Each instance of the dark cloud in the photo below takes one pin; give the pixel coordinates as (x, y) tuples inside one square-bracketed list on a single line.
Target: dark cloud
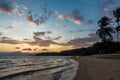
[(37, 41), (38, 34), (74, 16), (10, 27), (27, 49), (41, 42), (81, 42), (48, 32), (8, 40), (35, 19), (76, 42), (7, 7), (44, 49), (17, 47), (30, 19), (91, 34), (47, 37), (26, 39), (57, 38), (52, 38), (36, 38), (35, 49)]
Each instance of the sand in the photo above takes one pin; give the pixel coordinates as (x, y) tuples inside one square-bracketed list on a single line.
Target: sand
[(94, 68)]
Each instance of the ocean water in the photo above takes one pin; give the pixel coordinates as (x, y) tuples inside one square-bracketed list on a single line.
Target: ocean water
[(37, 68)]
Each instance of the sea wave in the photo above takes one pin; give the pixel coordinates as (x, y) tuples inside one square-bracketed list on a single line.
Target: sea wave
[(36, 68)]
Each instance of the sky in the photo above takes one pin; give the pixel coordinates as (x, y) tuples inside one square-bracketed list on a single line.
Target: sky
[(35, 26)]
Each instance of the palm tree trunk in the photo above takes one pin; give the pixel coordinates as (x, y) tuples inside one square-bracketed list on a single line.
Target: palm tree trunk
[(118, 31)]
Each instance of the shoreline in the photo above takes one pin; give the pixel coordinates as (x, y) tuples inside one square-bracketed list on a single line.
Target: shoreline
[(94, 68), (81, 73)]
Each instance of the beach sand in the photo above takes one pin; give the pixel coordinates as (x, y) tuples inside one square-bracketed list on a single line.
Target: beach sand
[(94, 68)]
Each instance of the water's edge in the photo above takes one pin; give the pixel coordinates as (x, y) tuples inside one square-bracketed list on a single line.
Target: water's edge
[(37, 68)]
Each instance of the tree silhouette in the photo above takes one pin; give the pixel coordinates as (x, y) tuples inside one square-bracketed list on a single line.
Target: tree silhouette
[(105, 32), (116, 14)]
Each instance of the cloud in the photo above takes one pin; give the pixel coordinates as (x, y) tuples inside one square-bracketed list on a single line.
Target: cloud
[(24, 6), (74, 37), (17, 47), (27, 49), (37, 41), (57, 38), (48, 32), (8, 40), (36, 38), (38, 34), (21, 13), (10, 27), (91, 34), (35, 19), (82, 42), (41, 42), (32, 21), (44, 49), (47, 37), (1, 33), (74, 16), (110, 5), (7, 7), (61, 16), (35, 49), (52, 38), (26, 39), (75, 42), (55, 12)]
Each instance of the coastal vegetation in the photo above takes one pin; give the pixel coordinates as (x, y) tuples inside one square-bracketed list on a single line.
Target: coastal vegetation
[(108, 34)]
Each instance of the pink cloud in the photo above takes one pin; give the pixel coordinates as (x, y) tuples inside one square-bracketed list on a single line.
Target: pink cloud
[(8, 7), (31, 21), (75, 16)]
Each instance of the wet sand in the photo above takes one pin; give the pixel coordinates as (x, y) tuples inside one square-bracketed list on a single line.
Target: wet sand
[(94, 68)]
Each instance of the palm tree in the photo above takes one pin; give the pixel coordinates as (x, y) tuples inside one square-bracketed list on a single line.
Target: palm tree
[(105, 32), (116, 14)]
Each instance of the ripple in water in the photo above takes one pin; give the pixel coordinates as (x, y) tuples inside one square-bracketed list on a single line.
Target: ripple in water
[(37, 68)]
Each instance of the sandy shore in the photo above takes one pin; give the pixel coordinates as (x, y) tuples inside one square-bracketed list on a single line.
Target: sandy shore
[(94, 68)]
